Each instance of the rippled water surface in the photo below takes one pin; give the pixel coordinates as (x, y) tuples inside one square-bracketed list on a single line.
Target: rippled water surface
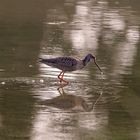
[(33, 105)]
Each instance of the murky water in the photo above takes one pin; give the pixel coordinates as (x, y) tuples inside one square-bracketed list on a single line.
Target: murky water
[(92, 106)]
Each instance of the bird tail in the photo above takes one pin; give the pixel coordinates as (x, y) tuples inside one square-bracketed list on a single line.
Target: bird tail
[(49, 62), (40, 60), (46, 61)]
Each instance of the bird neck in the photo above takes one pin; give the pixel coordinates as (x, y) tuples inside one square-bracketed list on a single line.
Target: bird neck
[(86, 60)]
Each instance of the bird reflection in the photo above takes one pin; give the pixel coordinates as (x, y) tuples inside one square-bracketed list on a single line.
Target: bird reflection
[(70, 102)]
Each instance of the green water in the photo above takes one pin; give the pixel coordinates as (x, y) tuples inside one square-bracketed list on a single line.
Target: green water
[(92, 106)]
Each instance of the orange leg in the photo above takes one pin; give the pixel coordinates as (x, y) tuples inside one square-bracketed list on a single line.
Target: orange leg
[(60, 76)]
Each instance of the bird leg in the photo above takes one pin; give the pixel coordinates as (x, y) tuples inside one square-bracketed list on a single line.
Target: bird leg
[(60, 76), (63, 79)]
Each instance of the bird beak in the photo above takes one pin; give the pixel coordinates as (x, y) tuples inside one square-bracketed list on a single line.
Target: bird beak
[(98, 66)]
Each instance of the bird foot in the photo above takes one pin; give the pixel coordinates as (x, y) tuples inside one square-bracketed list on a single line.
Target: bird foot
[(64, 81)]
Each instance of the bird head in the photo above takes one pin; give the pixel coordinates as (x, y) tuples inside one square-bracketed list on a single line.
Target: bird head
[(91, 57)]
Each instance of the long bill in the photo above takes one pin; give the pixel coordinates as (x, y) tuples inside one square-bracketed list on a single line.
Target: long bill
[(98, 66)]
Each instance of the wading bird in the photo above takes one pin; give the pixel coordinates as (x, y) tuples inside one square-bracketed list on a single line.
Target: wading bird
[(66, 64)]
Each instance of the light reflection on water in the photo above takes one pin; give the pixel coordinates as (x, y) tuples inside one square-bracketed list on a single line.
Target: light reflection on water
[(91, 26), (66, 116), (93, 106)]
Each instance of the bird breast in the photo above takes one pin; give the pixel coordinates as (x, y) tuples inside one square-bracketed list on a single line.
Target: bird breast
[(79, 65)]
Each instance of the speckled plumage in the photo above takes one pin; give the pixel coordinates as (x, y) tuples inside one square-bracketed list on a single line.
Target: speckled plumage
[(68, 64), (62, 63)]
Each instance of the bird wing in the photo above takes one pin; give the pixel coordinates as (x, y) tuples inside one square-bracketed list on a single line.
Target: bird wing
[(63, 63), (67, 61)]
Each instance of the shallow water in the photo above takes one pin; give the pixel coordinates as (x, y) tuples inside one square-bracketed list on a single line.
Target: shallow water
[(92, 106)]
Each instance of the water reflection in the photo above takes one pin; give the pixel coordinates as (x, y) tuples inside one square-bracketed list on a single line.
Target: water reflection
[(94, 27), (111, 32), (85, 27), (31, 106), (67, 116), (70, 102), (16, 114)]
